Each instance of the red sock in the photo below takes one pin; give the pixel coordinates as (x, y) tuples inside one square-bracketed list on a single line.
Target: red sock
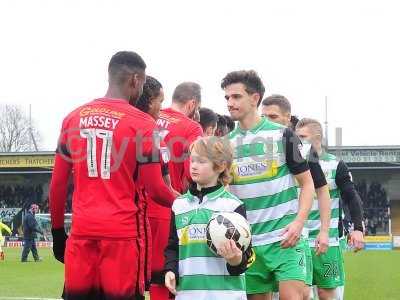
[(158, 292)]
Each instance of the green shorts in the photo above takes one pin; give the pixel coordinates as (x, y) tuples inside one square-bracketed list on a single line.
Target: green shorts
[(274, 264), (328, 268), (309, 265)]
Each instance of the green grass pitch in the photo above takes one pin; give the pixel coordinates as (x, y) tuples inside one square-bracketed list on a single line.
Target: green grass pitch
[(370, 275)]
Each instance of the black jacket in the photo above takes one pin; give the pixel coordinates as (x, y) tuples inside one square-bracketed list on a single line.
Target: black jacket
[(30, 226)]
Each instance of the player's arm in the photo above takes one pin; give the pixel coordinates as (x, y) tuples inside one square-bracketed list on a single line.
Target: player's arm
[(35, 226), (298, 166), (58, 196), (171, 254), (166, 177), (151, 176), (324, 201), (248, 257), (150, 170), (351, 197)]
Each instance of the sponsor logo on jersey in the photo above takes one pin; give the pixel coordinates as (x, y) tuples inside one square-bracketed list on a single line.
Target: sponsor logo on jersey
[(256, 169), (192, 234)]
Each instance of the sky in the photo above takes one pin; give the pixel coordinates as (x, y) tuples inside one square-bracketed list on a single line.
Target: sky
[(54, 55)]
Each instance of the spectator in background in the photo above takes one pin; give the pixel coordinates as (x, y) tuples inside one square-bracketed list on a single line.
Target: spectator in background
[(30, 226), (208, 121), (222, 126), (229, 123)]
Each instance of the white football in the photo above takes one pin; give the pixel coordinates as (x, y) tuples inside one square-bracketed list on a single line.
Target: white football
[(226, 226)]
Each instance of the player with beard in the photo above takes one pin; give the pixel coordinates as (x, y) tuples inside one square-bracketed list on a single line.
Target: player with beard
[(179, 130)]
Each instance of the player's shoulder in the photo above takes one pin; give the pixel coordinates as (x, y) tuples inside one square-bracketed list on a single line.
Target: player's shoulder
[(77, 112), (329, 157), (223, 201), (269, 125), (227, 195), (183, 203)]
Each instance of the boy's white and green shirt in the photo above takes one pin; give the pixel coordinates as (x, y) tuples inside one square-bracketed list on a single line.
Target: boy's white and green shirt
[(266, 158), (202, 274)]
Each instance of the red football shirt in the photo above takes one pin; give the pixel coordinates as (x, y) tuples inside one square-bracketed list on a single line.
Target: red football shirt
[(102, 142), (155, 210), (178, 132)]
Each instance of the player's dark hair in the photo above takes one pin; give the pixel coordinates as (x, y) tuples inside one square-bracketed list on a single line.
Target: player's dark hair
[(151, 89), (230, 123), (250, 79), (221, 125), (187, 91), (293, 122), (281, 101), (124, 63), (207, 118)]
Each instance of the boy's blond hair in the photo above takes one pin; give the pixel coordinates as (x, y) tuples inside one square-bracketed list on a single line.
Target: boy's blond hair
[(219, 151)]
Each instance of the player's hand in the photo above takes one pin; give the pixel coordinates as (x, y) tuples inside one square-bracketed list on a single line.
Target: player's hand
[(292, 234), (176, 193), (231, 253), (59, 242), (356, 240), (322, 242), (170, 282)]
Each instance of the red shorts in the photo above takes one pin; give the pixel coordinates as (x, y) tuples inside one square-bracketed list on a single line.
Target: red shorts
[(103, 269), (159, 235)]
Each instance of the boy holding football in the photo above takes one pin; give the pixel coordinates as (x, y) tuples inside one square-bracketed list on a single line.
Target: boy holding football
[(193, 271)]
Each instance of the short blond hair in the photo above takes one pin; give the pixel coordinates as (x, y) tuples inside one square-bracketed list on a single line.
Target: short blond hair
[(219, 151), (313, 124)]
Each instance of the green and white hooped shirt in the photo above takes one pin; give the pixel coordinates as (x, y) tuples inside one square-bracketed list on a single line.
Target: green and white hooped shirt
[(263, 178), (202, 274), (329, 164)]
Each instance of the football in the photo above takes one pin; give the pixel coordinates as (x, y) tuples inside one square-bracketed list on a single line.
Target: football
[(226, 226)]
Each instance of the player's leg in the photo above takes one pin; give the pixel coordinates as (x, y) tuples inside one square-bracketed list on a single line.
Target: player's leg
[(307, 290), (340, 289), (291, 290), (260, 282), (34, 250), (291, 272), (26, 250), (81, 260), (326, 294), (159, 232), (328, 272), (266, 296), (119, 271), (2, 257)]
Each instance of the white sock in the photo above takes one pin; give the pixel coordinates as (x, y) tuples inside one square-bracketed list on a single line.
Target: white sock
[(340, 292)]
